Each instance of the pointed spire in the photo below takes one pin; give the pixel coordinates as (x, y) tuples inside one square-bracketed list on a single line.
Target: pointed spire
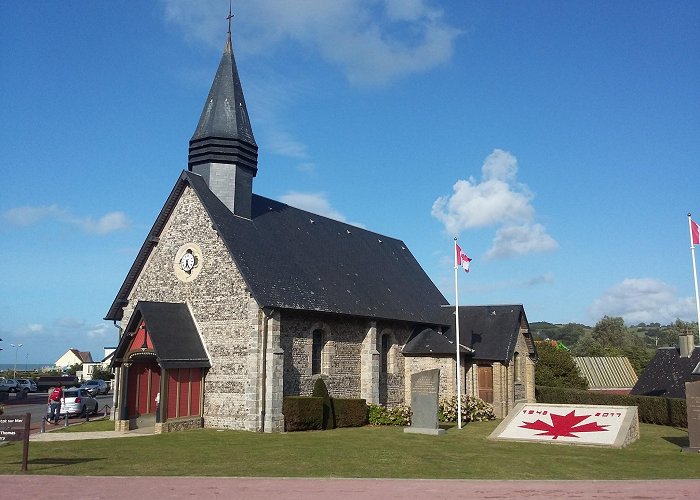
[(223, 149)]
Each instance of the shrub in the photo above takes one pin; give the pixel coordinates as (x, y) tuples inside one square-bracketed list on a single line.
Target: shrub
[(350, 412), (302, 413), (321, 391), (473, 410), (397, 415), (651, 409)]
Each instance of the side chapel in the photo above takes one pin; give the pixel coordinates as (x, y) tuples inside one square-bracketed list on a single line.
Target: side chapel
[(235, 301)]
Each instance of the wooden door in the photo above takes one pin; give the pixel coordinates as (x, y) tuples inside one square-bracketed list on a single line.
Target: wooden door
[(485, 374)]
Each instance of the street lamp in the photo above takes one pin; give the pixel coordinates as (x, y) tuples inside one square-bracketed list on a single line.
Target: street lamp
[(14, 375)]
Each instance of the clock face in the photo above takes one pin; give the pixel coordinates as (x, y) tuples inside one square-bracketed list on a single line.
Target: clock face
[(188, 261)]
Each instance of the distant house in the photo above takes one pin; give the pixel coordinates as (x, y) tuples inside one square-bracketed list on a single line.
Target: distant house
[(607, 374), (73, 357), (89, 368), (669, 370)]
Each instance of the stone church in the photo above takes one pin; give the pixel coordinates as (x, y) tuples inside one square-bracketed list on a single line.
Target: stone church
[(235, 301)]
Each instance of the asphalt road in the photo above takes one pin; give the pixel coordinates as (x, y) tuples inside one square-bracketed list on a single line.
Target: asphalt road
[(35, 405)]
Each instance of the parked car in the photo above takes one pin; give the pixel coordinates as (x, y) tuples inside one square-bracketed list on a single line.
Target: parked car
[(27, 383), (76, 401), (95, 387), (9, 385)]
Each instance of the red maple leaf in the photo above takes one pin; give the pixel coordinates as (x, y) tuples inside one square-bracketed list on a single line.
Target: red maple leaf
[(564, 425)]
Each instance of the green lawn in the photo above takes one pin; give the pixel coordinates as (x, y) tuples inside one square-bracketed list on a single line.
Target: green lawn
[(359, 452)]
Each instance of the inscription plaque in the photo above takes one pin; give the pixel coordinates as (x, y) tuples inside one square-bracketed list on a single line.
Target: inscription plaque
[(692, 401)]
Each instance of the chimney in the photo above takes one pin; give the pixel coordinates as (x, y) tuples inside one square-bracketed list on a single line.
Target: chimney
[(686, 343)]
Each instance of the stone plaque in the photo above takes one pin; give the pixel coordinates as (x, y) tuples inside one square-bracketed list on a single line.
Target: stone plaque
[(424, 403), (692, 401)]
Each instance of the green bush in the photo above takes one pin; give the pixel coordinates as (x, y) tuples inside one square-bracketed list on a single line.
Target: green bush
[(651, 409), (302, 413), (397, 415), (473, 410), (321, 391), (350, 412)]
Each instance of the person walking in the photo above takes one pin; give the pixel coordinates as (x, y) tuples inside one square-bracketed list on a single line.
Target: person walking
[(55, 398)]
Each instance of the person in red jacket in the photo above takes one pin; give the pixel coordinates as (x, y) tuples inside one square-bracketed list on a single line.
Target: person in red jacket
[(55, 398)]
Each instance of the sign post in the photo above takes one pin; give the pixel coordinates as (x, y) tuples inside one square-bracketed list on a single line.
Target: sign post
[(17, 429)]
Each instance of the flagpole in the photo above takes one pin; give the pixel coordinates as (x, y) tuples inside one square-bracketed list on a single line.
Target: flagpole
[(459, 369), (695, 272)]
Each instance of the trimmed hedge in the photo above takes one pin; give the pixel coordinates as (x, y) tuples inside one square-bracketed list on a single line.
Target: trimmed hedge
[(302, 413), (651, 409), (350, 412), (321, 391)]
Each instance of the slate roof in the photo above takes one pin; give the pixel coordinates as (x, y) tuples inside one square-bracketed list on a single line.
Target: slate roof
[(667, 373), (224, 133), (491, 331), (606, 372), (294, 259), (429, 342), (175, 338)]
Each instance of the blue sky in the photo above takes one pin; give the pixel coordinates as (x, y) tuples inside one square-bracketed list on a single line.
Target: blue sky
[(558, 140)]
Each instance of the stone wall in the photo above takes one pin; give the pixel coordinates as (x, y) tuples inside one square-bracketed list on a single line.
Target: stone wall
[(349, 358), (225, 313)]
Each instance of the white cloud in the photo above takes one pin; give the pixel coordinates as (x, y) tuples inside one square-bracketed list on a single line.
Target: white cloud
[(511, 241), (371, 41), (316, 203), (29, 215), (108, 223), (497, 199), (643, 300), (100, 331), (69, 323)]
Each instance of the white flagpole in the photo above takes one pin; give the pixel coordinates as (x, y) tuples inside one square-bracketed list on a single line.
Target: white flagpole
[(459, 369), (695, 272)]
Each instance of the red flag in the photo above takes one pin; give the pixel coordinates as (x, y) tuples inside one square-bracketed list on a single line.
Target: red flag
[(462, 258), (694, 232)]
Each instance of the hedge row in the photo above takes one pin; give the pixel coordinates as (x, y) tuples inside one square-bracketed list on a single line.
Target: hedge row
[(303, 413), (651, 409)]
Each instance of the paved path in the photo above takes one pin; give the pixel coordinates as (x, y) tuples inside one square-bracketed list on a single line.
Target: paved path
[(66, 487), (114, 487)]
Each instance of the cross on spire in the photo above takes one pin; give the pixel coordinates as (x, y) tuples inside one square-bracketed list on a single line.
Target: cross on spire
[(229, 17)]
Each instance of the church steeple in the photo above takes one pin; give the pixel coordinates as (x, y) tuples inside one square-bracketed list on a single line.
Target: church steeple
[(223, 150)]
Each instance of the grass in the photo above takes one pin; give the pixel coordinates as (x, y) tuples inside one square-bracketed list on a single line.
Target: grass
[(375, 452), (99, 424)]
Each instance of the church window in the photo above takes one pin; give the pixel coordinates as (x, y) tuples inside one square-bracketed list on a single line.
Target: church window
[(384, 353), (317, 343)]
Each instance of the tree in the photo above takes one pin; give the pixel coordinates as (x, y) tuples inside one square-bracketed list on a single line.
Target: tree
[(102, 373), (556, 368), (588, 346), (610, 331)]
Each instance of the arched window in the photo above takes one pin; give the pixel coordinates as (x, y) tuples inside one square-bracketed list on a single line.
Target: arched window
[(517, 367), (318, 341), (385, 354)]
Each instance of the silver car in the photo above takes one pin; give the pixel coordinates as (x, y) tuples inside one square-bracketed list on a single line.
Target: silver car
[(95, 387), (27, 384), (76, 401)]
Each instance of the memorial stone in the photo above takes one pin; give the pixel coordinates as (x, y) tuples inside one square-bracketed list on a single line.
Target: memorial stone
[(692, 401), (425, 387)]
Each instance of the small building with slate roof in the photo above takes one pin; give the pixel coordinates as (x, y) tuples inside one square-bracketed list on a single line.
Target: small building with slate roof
[(669, 370), (500, 353), (235, 301)]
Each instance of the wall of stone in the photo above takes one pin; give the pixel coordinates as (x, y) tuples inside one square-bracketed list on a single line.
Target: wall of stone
[(447, 366), (342, 358), (224, 311)]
